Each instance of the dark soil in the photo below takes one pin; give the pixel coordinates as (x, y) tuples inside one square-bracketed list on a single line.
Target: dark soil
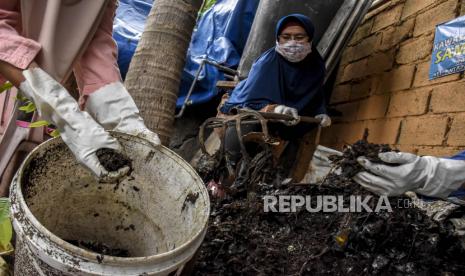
[(191, 198), (242, 239), (100, 248), (112, 160), (348, 161)]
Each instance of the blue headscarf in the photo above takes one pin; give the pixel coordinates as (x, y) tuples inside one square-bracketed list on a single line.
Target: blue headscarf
[(274, 80)]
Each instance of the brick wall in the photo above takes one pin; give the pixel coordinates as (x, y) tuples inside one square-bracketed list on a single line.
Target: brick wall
[(383, 86)]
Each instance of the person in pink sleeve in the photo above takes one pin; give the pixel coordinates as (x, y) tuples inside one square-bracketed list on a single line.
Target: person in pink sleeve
[(41, 43)]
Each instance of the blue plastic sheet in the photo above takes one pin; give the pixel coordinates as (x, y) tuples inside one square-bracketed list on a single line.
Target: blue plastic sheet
[(459, 156), (220, 35), (128, 27), (448, 49)]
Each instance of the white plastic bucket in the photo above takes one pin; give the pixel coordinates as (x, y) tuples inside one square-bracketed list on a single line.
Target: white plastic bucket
[(159, 214)]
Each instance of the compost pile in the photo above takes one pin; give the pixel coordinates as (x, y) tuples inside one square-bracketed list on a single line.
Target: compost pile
[(242, 239)]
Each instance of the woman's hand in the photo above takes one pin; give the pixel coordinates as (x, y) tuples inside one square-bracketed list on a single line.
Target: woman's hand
[(286, 110), (78, 130), (402, 172), (325, 120)]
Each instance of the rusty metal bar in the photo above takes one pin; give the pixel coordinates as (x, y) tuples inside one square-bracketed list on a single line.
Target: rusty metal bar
[(276, 116)]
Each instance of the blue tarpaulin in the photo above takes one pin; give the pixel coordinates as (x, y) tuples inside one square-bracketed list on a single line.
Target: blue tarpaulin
[(220, 35), (448, 49), (128, 27)]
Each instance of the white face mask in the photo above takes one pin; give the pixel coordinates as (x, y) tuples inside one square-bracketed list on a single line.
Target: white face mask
[(294, 51)]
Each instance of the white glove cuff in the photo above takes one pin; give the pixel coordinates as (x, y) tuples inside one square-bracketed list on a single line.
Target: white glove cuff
[(446, 177), (113, 107)]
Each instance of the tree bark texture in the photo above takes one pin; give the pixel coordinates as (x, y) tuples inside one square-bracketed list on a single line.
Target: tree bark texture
[(154, 74)]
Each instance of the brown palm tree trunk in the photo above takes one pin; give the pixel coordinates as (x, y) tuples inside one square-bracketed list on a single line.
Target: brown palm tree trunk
[(154, 74)]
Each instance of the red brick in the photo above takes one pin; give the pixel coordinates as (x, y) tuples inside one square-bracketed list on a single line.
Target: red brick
[(372, 13), (352, 132), (382, 8), (345, 133), (361, 89), (415, 49), (373, 107), (457, 131), (394, 35), (406, 148), (348, 110), (427, 21), (330, 134), (341, 93), (362, 31), (387, 18), (448, 97), (362, 49), (438, 151), (462, 7), (428, 130), (383, 131), (414, 6), (355, 70), (339, 74), (346, 56), (395, 80), (422, 76), (380, 62), (376, 82), (409, 103)]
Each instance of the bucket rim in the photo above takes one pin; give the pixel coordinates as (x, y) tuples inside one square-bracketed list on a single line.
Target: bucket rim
[(92, 256)]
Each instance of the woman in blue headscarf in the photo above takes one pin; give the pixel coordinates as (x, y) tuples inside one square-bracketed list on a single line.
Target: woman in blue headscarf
[(286, 79)]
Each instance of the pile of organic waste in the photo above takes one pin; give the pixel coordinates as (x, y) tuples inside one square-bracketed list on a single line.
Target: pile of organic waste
[(242, 239)]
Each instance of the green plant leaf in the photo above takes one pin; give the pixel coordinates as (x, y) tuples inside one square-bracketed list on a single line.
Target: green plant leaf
[(30, 107), (6, 231), (207, 4), (55, 133), (5, 87), (39, 124), (4, 208)]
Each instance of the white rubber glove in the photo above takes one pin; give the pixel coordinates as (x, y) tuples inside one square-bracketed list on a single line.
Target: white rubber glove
[(77, 129), (427, 175), (114, 109), (321, 165), (325, 120), (282, 109)]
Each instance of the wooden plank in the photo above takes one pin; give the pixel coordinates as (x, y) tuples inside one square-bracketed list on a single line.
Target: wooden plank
[(227, 84), (307, 147)]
